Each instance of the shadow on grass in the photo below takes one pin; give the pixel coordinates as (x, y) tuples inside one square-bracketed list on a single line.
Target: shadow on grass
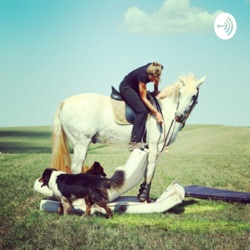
[(19, 147), (30, 134), (30, 141), (23, 141), (180, 209)]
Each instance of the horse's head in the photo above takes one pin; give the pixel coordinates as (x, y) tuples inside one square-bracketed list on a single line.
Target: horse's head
[(188, 96)]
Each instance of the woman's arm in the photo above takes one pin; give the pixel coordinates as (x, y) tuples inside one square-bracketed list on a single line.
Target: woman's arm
[(143, 95), (156, 83), (156, 90)]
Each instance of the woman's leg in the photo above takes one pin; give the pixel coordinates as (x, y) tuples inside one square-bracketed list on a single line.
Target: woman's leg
[(132, 98)]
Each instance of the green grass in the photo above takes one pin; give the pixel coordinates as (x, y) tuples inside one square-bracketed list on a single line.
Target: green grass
[(214, 156)]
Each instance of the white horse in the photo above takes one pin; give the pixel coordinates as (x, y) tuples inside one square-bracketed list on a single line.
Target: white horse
[(87, 118)]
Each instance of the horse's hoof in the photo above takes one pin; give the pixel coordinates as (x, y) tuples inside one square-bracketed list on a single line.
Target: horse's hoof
[(143, 200), (143, 195)]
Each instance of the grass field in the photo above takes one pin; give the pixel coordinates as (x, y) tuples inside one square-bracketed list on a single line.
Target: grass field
[(214, 156)]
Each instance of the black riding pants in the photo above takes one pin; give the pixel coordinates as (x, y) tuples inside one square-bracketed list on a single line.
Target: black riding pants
[(132, 98)]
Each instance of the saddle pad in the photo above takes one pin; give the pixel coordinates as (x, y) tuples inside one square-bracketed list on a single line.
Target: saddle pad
[(118, 108), (216, 194)]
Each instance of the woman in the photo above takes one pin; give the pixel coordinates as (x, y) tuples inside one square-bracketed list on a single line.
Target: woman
[(133, 90)]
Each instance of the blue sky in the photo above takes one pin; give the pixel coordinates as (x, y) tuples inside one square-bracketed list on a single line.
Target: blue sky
[(52, 49)]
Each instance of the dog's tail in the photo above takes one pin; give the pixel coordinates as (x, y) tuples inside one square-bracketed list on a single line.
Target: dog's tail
[(117, 180)]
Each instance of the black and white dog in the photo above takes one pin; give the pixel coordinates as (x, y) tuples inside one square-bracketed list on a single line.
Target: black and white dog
[(93, 189)]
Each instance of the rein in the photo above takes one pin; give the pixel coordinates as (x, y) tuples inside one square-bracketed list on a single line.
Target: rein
[(158, 107), (177, 119)]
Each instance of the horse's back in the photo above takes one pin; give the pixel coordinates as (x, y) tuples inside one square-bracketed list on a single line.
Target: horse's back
[(84, 110), (86, 102), (86, 98)]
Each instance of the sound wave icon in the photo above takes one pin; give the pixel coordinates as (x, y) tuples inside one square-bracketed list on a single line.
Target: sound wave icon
[(228, 26), (225, 26)]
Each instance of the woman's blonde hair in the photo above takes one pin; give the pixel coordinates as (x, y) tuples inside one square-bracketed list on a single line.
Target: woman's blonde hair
[(155, 69)]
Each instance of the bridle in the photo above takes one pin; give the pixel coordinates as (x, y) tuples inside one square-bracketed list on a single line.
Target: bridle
[(182, 118), (177, 119)]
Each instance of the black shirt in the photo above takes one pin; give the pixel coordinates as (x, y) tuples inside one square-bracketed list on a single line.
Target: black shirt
[(132, 79)]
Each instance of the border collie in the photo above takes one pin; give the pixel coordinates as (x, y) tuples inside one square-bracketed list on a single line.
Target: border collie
[(93, 189)]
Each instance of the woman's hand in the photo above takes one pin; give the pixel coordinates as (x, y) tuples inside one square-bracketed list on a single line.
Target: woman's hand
[(143, 95), (159, 118)]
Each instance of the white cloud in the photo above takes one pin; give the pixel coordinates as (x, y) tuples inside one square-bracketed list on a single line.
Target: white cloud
[(174, 16)]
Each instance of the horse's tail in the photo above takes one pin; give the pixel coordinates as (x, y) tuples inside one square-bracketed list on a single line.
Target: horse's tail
[(60, 149)]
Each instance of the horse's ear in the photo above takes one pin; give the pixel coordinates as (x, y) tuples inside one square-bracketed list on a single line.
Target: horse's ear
[(182, 79), (200, 81)]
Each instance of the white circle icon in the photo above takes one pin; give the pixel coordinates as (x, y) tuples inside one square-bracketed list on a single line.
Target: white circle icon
[(225, 26)]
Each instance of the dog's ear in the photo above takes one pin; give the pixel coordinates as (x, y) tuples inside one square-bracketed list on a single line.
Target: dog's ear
[(46, 180), (95, 165), (99, 170), (46, 176), (103, 174)]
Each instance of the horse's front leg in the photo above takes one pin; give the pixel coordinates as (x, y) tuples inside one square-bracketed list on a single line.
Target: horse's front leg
[(144, 190)]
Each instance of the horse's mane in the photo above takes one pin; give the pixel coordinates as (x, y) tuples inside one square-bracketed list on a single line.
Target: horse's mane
[(174, 89)]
